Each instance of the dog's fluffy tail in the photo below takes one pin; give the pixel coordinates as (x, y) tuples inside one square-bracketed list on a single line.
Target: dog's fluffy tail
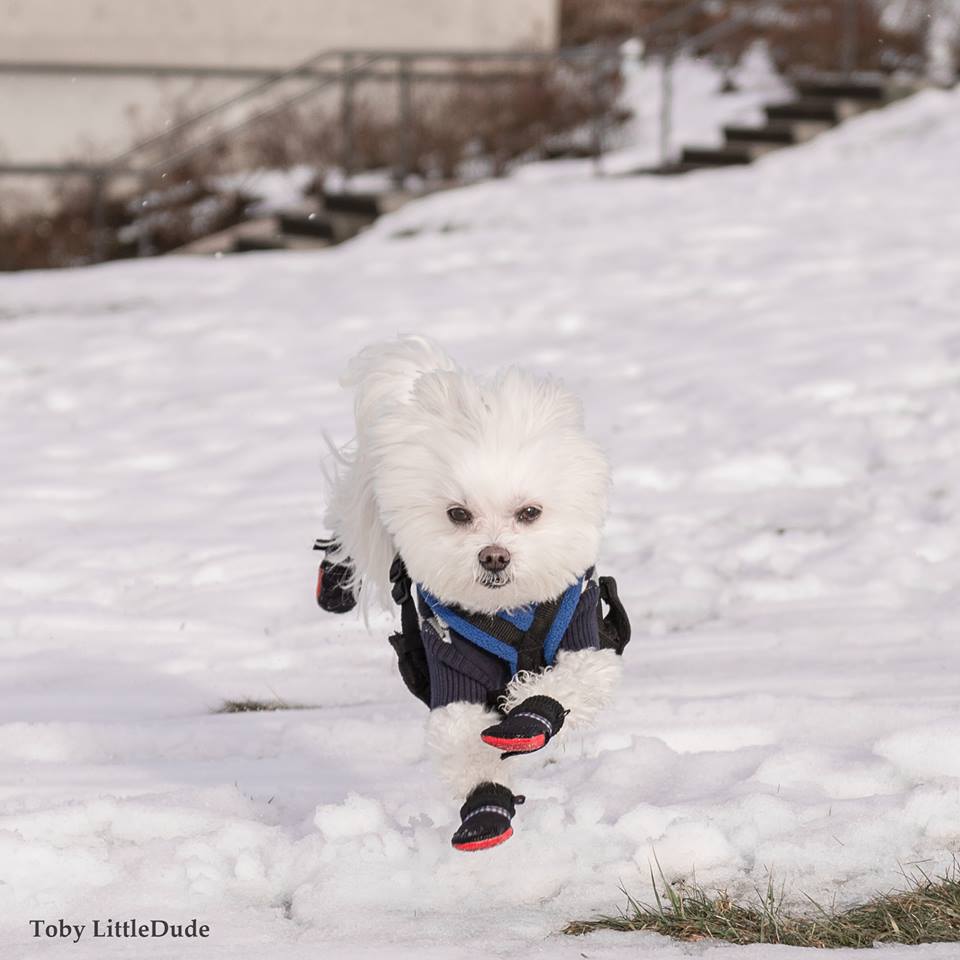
[(382, 377)]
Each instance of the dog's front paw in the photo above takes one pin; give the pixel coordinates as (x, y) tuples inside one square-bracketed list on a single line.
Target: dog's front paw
[(529, 726), (485, 817)]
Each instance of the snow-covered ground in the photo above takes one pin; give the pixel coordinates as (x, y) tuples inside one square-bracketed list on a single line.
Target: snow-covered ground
[(771, 355)]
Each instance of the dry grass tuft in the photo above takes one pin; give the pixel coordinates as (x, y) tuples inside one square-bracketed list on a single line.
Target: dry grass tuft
[(928, 911), (257, 706)]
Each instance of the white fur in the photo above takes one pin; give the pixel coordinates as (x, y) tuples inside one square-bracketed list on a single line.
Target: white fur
[(461, 758), (431, 436), (382, 376), (583, 681)]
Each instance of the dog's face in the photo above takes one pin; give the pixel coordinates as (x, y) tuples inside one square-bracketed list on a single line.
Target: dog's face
[(492, 493)]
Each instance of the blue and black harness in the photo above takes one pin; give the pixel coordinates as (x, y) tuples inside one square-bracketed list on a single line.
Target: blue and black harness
[(525, 639), (446, 654)]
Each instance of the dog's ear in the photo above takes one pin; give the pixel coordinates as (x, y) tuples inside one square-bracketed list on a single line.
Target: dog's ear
[(448, 395), (547, 404)]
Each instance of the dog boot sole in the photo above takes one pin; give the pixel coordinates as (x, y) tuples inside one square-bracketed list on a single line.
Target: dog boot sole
[(516, 745), (472, 845)]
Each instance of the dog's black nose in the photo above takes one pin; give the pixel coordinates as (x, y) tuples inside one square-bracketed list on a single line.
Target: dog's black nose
[(494, 557)]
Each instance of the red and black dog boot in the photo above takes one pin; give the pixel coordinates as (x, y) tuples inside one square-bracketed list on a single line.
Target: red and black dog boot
[(485, 817), (527, 727), (333, 594)]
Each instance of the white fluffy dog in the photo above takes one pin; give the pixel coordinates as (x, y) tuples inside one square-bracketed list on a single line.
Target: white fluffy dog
[(493, 498)]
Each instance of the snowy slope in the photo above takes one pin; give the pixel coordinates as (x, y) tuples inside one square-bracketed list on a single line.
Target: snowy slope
[(771, 356)]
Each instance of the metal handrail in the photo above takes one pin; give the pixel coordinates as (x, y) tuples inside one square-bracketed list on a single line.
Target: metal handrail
[(306, 68), (354, 62), (219, 107), (255, 117), (368, 58), (737, 21)]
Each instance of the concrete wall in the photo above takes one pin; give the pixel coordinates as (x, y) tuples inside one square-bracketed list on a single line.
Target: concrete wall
[(58, 118), (258, 33)]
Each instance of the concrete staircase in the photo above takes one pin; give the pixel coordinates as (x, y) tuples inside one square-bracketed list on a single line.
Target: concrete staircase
[(821, 103), (333, 218)]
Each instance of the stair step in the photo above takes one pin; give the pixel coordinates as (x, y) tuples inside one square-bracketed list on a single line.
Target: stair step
[(305, 225), (774, 133), (243, 244), (675, 169), (349, 212), (568, 152), (371, 204), (733, 155), (346, 226), (872, 92), (223, 241), (810, 108), (360, 204), (804, 130), (671, 169), (277, 241), (823, 102), (293, 242), (823, 109)]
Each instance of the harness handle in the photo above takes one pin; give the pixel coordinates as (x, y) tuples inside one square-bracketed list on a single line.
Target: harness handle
[(408, 644), (615, 626)]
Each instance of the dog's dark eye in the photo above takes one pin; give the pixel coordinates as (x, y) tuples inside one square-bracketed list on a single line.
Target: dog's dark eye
[(528, 514), (459, 516)]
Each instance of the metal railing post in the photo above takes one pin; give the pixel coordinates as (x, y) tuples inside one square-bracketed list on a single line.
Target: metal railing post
[(850, 37), (144, 246), (666, 107), (346, 116), (404, 121), (940, 60), (596, 79), (99, 218)]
